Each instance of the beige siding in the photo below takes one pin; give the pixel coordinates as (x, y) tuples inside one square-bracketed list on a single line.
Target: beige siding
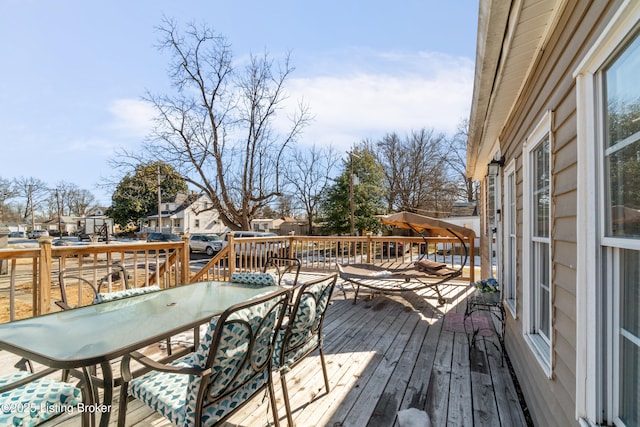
[(552, 401)]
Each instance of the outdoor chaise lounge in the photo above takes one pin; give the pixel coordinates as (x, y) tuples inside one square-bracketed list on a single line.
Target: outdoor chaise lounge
[(416, 275)]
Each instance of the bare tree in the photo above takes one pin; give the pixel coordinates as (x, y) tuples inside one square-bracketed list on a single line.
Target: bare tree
[(309, 175), (455, 155), (34, 191), (69, 199), (7, 192), (217, 130), (416, 176)]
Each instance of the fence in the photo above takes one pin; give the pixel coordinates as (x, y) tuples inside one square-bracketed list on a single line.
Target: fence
[(325, 252), (31, 285)]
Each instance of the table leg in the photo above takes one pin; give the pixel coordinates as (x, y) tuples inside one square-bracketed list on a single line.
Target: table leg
[(107, 376)]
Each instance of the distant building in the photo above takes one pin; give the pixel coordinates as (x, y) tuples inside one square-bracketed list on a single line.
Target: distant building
[(185, 213), (267, 224)]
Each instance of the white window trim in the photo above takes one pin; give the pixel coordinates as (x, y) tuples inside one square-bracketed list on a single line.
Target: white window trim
[(511, 303), (589, 404), (537, 344)]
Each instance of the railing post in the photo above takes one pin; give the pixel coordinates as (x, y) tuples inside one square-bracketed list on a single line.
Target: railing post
[(232, 254), (185, 268), (369, 247), (292, 240), (44, 276), (472, 263), (35, 287)]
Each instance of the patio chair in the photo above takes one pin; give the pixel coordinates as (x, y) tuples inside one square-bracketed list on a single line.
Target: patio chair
[(303, 332), (109, 273), (29, 399), (232, 364), (282, 266)]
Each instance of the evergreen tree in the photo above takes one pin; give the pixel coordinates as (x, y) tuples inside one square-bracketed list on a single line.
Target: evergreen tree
[(364, 179)]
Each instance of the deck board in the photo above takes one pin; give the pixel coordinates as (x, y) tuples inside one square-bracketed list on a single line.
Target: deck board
[(385, 353)]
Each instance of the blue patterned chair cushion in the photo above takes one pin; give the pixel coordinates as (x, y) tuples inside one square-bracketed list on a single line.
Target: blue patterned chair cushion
[(174, 395), (257, 280), (303, 327), (23, 406), (111, 296)]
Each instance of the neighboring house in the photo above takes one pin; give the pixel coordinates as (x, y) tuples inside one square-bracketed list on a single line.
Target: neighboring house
[(298, 227), (185, 213), (267, 224), (465, 214), (554, 138), (67, 225)]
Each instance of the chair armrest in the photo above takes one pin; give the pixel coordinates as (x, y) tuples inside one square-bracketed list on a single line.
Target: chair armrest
[(63, 305), (157, 366), (27, 379)]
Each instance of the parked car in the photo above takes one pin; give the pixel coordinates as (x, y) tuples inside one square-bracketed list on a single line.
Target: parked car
[(36, 234), (18, 234), (261, 250), (67, 241), (163, 237), (208, 243), (392, 248)]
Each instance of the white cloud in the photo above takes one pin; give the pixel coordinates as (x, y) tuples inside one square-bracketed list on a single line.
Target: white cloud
[(391, 92), (131, 117)]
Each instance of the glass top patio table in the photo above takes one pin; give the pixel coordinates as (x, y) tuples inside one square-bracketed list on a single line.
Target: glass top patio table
[(98, 333)]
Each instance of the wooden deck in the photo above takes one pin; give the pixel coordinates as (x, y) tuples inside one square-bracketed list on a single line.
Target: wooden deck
[(387, 353)]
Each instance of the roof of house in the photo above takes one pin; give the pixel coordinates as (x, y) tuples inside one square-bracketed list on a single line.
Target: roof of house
[(511, 38), (464, 209)]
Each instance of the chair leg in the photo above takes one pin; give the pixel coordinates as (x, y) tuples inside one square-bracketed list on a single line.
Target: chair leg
[(324, 370), (287, 404), (274, 408)]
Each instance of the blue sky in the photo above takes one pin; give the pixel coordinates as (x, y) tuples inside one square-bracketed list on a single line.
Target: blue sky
[(73, 72)]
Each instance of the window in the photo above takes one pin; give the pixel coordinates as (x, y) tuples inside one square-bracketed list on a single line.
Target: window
[(540, 239), (537, 242), (608, 259), (197, 223), (491, 204), (621, 229), (510, 243)]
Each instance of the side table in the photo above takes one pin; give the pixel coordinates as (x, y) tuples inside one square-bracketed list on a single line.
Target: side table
[(489, 302)]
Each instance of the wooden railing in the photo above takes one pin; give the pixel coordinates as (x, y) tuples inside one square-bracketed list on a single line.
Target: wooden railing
[(325, 252), (30, 283)]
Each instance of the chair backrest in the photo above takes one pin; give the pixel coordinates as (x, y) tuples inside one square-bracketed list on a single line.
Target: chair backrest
[(238, 348), (283, 265), (90, 277), (304, 328)]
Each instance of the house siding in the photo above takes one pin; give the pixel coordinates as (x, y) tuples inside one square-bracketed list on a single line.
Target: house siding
[(551, 401)]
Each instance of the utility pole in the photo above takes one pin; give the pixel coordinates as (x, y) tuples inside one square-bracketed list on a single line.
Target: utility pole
[(159, 223), (30, 205), (352, 219), (352, 208), (59, 214)]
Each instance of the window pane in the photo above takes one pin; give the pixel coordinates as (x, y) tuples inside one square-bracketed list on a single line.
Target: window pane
[(630, 337), (543, 291), (623, 94), (623, 172), (622, 151), (541, 189), (630, 303), (491, 203), (512, 200), (629, 384)]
